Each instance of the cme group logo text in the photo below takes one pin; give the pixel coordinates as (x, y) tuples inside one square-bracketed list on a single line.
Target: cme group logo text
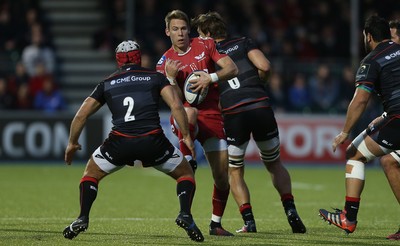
[(129, 79)]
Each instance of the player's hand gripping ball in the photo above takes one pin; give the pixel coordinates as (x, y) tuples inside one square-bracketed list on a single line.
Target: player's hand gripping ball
[(193, 98)]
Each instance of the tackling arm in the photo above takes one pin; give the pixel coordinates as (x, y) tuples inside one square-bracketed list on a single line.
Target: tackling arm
[(178, 112), (171, 71), (261, 62), (228, 70)]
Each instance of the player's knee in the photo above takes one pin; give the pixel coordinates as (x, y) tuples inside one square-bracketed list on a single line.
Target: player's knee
[(191, 112), (388, 162), (355, 169), (350, 151)]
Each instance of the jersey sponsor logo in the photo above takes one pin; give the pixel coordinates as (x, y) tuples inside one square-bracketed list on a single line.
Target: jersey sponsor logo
[(393, 55), (201, 56), (161, 61), (362, 72), (130, 79), (231, 49)]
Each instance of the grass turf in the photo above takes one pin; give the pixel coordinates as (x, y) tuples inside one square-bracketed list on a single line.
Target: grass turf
[(137, 206)]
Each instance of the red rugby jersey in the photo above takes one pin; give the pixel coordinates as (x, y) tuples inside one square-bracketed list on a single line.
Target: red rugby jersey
[(201, 55)]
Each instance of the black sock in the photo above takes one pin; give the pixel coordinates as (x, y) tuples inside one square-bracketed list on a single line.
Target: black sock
[(351, 206), (88, 193), (288, 202), (288, 205), (185, 190), (246, 212), (214, 224)]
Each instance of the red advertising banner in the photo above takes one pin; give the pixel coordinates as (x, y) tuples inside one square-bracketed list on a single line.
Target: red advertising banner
[(306, 140)]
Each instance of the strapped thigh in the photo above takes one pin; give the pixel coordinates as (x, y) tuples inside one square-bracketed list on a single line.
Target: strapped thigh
[(269, 149), (396, 155), (236, 155)]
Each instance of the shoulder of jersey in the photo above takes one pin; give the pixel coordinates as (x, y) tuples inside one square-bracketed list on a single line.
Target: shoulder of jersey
[(193, 98)]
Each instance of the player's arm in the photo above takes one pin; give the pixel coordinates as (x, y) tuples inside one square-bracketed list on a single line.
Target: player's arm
[(261, 63), (228, 70), (171, 71), (88, 107), (171, 98), (354, 111)]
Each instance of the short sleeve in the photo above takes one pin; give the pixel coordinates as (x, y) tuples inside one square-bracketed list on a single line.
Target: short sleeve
[(367, 75), (98, 93)]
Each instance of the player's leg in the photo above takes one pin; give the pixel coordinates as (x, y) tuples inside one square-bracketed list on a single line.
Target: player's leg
[(217, 156), (193, 129), (239, 188), (179, 169), (96, 169), (391, 166), (212, 137), (238, 131), (266, 136), (362, 150)]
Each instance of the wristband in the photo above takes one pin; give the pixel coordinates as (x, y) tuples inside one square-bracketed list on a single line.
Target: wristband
[(214, 77), (171, 81)]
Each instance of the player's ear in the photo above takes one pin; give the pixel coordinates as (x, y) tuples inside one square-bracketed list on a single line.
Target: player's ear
[(369, 37), (167, 31)]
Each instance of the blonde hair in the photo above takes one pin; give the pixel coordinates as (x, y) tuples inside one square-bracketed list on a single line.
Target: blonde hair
[(176, 14)]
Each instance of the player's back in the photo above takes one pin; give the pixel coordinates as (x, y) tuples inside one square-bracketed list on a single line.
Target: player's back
[(382, 66), (246, 87), (132, 94)]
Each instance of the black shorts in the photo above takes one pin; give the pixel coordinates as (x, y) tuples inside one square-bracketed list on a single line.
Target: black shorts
[(386, 133), (260, 122), (152, 149)]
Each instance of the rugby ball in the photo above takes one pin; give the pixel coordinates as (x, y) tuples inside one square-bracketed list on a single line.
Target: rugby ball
[(193, 98)]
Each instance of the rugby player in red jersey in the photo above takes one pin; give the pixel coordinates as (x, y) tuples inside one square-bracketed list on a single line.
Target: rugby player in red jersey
[(199, 54)]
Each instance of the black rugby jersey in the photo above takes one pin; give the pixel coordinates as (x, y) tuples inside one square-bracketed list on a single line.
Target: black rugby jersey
[(246, 88), (132, 94), (379, 71)]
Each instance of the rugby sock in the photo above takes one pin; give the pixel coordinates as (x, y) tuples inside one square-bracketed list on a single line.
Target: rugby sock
[(288, 201), (351, 206), (185, 189), (88, 192), (219, 200), (246, 212)]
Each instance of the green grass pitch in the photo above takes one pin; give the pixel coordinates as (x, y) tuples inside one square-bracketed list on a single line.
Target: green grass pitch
[(137, 206)]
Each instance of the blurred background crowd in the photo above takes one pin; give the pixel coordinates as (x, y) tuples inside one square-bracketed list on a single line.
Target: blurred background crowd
[(307, 42)]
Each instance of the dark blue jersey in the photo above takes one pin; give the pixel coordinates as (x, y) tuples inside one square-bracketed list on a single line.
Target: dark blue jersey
[(132, 94), (246, 88), (379, 72)]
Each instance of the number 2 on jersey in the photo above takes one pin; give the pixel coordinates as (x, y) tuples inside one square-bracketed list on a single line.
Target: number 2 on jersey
[(128, 101)]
